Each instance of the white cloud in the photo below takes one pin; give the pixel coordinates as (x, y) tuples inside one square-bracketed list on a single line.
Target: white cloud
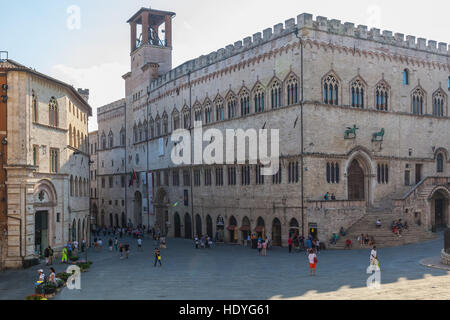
[(102, 81)]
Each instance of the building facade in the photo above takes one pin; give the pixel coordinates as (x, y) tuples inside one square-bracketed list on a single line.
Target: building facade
[(46, 165), (362, 115), (93, 170)]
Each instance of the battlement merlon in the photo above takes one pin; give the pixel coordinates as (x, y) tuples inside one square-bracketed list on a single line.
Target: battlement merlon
[(306, 21), (111, 106)]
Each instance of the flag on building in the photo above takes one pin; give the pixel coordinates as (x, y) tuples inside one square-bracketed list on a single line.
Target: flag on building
[(132, 177)]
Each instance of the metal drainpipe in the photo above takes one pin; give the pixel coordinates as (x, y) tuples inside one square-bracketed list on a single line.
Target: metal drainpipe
[(301, 132)]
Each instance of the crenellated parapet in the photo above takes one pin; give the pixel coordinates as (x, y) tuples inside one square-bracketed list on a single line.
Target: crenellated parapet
[(305, 21)]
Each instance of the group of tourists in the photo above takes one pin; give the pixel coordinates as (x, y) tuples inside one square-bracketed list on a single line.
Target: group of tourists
[(397, 227), (134, 232), (203, 242), (366, 240), (42, 278), (327, 197)]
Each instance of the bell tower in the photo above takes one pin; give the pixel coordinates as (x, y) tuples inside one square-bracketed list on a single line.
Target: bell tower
[(151, 44)]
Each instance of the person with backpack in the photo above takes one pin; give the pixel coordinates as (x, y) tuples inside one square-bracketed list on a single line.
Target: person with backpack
[(157, 257), (312, 257)]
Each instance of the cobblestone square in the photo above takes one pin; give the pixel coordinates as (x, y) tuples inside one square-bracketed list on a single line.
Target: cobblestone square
[(235, 272)]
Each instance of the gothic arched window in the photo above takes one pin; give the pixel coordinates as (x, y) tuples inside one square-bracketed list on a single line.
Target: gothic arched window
[(34, 106), (111, 140), (382, 96), (208, 113), (275, 94), (53, 112), (440, 163), (232, 108), (103, 140), (245, 102), (357, 91), (152, 128), (405, 77), (417, 99), (219, 109), (439, 103), (331, 90), (292, 90), (122, 137), (258, 98)]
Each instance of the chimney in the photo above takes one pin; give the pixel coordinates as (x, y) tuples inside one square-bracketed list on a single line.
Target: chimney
[(84, 93)]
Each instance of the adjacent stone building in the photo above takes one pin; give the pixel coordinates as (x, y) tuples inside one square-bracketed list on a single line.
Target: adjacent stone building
[(363, 116), (46, 164)]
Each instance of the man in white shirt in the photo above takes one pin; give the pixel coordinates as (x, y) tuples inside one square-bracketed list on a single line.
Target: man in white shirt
[(373, 256)]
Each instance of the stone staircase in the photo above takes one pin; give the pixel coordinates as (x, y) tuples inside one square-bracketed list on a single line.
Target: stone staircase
[(383, 236)]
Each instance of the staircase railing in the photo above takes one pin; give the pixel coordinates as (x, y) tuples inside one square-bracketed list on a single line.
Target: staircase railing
[(418, 188)]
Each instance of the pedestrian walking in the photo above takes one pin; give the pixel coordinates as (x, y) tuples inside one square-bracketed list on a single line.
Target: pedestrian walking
[(139, 243), (259, 247), (100, 244), (75, 247), (127, 250), (264, 248), (157, 257), (116, 244), (121, 251), (64, 255), (374, 257), (196, 242), (312, 257), (46, 255), (83, 245), (110, 243), (69, 248)]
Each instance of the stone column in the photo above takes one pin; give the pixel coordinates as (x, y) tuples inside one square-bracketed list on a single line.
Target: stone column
[(133, 36), (168, 23), (144, 28)]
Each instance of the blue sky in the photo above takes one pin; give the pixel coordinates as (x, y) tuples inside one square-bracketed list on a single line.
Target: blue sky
[(35, 32)]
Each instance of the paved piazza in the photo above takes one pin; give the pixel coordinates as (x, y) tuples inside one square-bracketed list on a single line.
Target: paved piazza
[(235, 272)]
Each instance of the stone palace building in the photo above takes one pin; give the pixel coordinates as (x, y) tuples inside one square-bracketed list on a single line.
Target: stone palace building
[(363, 115), (44, 164)]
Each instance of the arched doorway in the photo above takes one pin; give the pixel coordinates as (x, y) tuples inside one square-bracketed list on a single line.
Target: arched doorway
[(44, 202), (294, 230), (245, 228), (41, 236), (177, 225), (220, 226), (439, 210), (233, 230), (198, 226), (276, 233), (187, 226), (355, 177), (137, 208), (260, 226), (209, 226), (84, 230)]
